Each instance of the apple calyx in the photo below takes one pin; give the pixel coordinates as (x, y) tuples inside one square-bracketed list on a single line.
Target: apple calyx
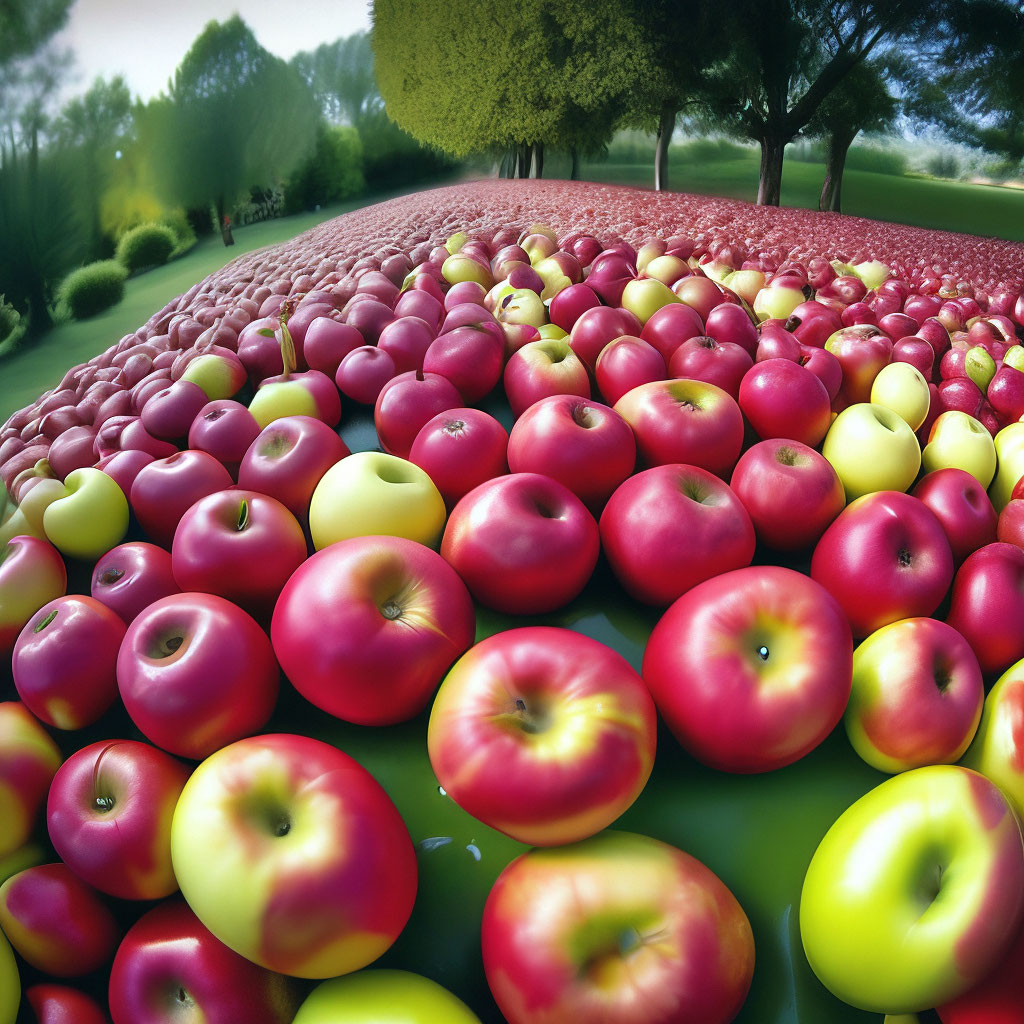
[(527, 718), (453, 427), (109, 576), (786, 456), (104, 804)]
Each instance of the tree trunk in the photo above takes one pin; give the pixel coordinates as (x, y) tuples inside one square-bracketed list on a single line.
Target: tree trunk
[(574, 172), (225, 224), (666, 126), (538, 159), (769, 189), (835, 161), (524, 161)]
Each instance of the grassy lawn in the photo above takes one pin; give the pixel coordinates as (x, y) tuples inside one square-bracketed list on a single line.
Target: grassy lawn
[(951, 205)]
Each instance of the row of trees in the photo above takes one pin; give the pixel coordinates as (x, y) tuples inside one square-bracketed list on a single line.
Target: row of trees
[(520, 77), (234, 119)]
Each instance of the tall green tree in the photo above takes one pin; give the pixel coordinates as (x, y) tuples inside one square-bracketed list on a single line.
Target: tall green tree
[(26, 24), (235, 116), (342, 79)]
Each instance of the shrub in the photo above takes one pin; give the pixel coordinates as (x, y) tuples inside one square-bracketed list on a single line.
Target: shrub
[(200, 220), (125, 206), (148, 245), (93, 288), (330, 173), (184, 236), (876, 160), (391, 158)]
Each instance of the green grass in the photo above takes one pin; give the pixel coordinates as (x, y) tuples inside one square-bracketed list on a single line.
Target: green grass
[(951, 205), (41, 363)]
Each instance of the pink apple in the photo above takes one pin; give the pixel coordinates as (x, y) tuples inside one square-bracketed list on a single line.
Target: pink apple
[(224, 429), (327, 342), (670, 327), (783, 399), (728, 322), (130, 577), (406, 340), (541, 369), (962, 507), (596, 327), (169, 413), (363, 373), (715, 362), (471, 357), (626, 363)]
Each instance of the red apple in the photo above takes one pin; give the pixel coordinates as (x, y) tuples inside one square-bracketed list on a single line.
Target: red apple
[(362, 374), (541, 369), (715, 362), (406, 403), (781, 398), (962, 507), (60, 1004), (224, 429), (626, 363)]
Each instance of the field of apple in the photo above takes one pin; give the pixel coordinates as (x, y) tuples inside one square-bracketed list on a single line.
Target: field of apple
[(527, 601)]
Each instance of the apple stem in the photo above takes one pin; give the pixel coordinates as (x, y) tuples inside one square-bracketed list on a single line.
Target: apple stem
[(285, 339), (42, 625), (243, 516)]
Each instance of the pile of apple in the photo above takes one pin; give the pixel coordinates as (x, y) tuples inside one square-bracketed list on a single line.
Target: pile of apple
[(811, 469)]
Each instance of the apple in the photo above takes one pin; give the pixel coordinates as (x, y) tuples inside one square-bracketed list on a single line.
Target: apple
[(225, 430), (997, 998), (729, 322), (56, 922), (643, 297), (169, 413), (169, 967), (221, 375), (721, 363), (28, 761), (670, 327), (255, 847), (780, 398), (872, 448), (406, 403), (904, 389), (371, 493), (370, 996), (10, 984), (626, 363), (584, 445), (328, 341), (751, 669), (131, 577), (597, 326), (916, 698), (541, 369), (241, 545), (195, 673), (684, 421), (109, 816), (363, 372), (90, 518), (959, 441), (790, 491), (289, 458), (406, 339), (916, 892), (366, 628), (598, 929), (60, 1004), (310, 393), (669, 528), (963, 508), (64, 660), (32, 574), (471, 357), (523, 543), (542, 733)]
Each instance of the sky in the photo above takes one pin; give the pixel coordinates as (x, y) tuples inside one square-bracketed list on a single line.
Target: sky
[(145, 39)]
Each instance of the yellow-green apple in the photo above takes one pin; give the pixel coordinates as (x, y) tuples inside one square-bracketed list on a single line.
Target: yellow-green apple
[(626, 363), (872, 272), (57, 1004), (405, 404), (570, 304), (541, 369), (32, 574), (362, 374), (916, 697), (471, 357), (716, 362), (56, 922), (729, 322), (598, 929), (90, 518), (196, 672), (406, 340), (238, 544), (670, 327), (372, 493), (667, 268), (462, 267), (288, 459), (165, 489), (902, 388), (522, 306), (597, 326), (366, 628), (582, 444), (962, 507), (524, 543), (872, 448), (368, 997), (684, 421), (862, 351), (643, 297), (884, 558), (701, 294), (169, 968), (27, 519), (109, 815), (225, 430), (781, 398), (10, 983), (542, 733), (1009, 446), (459, 450), (751, 669), (64, 661), (668, 528), (916, 892), (310, 393), (776, 302), (987, 604), (979, 366), (959, 441), (292, 854), (790, 491), (28, 761), (997, 998), (221, 375)]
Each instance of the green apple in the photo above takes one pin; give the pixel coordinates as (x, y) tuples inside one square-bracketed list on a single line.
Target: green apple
[(872, 448), (872, 273), (745, 283), (383, 997), (667, 269), (1009, 446), (552, 332), (372, 493), (980, 367), (1014, 357), (776, 303), (523, 306), (901, 1018), (460, 267), (10, 983), (27, 518), (957, 440), (218, 376), (456, 242), (644, 296), (282, 398), (902, 388), (90, 519), (916, 892)]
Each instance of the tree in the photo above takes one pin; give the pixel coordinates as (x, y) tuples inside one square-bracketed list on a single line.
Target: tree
[(234, 117), (95, 125), (26, 24), (862, 103), (342, 79)]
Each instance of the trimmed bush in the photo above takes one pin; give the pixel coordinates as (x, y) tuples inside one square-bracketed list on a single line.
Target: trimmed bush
[(184, 236), (148, 245), (93, 288)]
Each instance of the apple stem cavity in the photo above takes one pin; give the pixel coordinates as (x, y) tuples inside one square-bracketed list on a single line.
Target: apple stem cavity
[(42, 625), (109, 576), (391, 610), (104, 804), (762, 652), (581, 414), (905, 558)]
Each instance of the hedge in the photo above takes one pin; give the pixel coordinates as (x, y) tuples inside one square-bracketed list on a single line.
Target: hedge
[(93, 288), (148, 245)]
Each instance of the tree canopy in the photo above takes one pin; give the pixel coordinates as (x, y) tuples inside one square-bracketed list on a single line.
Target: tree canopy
[(341, 77)]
